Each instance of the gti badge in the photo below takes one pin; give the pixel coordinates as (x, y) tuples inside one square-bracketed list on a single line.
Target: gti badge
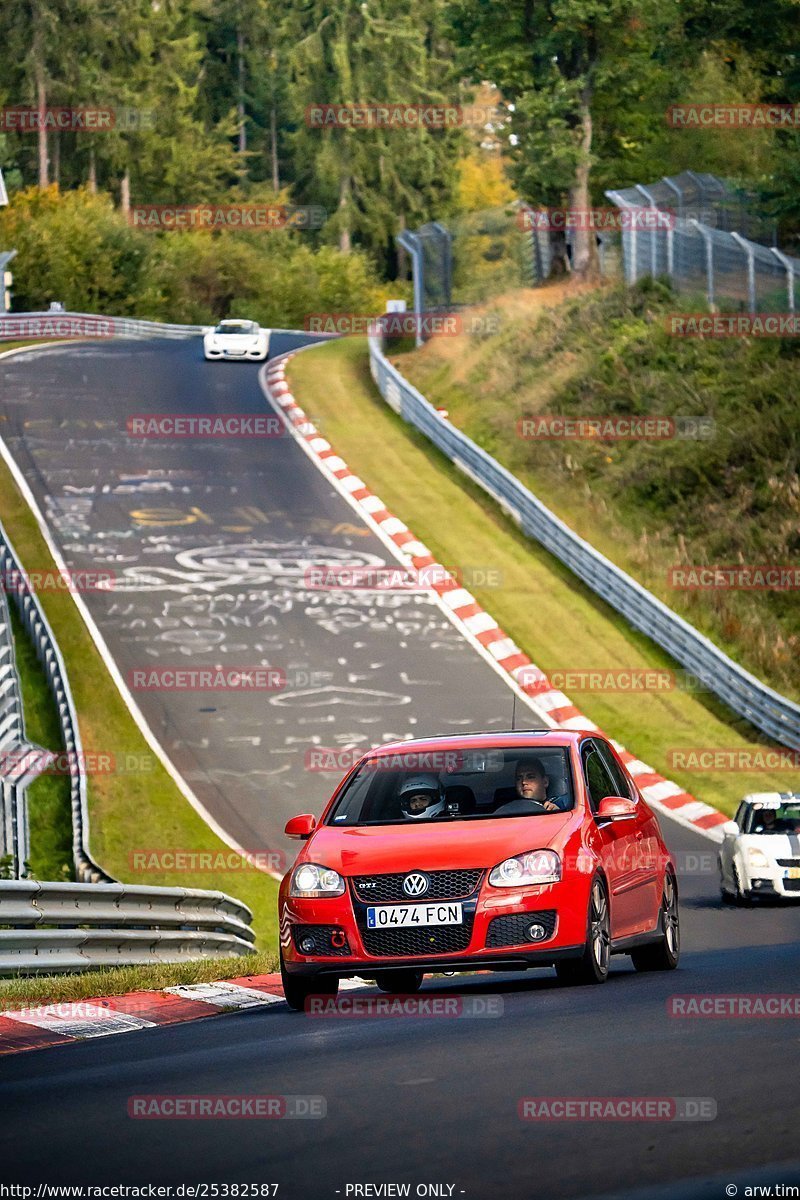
[(416, 884)]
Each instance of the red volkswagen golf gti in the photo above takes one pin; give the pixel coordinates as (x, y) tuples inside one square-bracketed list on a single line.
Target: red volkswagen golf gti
[(496, 851)]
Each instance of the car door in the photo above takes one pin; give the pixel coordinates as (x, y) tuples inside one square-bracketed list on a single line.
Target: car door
[(647, 865), (617, 844), (728, 848)]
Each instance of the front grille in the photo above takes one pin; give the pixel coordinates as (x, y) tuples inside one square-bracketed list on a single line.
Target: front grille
[(791, 885), (322, 940), (443, 885), (788, 862), (510, 930), (410, 943)]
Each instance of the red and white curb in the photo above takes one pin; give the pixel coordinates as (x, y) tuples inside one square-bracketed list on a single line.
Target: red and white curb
[(551, 705), (42, 1025)]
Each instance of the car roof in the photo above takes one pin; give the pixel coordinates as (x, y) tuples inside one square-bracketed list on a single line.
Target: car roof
[(769, 799), (507, 739)]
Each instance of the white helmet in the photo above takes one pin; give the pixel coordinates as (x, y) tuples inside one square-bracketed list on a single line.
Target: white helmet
[(425, 787)]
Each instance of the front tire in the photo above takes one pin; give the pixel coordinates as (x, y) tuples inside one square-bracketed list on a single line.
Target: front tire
[(298, 988), (401, 983), (593, 965), (663, 955)]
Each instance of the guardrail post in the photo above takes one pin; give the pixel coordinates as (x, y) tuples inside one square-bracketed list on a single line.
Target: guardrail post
[(709, 248), (786, 262), (751, 270), (410, 243), (653, 244)]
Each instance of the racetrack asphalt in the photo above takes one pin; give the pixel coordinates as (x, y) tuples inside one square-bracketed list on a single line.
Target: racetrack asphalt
[(209, 543), (416, 1100)]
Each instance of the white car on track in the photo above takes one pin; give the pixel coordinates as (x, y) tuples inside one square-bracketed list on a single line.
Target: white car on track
[(760, 853), (235, 339)]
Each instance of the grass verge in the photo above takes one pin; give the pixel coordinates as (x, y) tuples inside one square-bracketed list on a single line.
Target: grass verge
[(729, 498), (115, 981), (141, 809), (49, 813), (551, 615)]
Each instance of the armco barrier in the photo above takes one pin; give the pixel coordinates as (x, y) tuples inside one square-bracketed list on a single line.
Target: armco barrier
[(31, 613), (767, 710), (55, 927), (120, 327), (20, 761)]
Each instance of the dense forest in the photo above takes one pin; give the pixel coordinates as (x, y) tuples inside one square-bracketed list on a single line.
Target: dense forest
[(210, 104)]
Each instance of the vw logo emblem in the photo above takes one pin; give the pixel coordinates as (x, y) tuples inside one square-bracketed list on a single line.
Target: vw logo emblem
[(416, 884)]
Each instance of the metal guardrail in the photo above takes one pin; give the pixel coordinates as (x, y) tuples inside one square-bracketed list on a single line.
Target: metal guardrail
[(103, 326), (20, 760), (767, 710), (56, 927), (24, 598)]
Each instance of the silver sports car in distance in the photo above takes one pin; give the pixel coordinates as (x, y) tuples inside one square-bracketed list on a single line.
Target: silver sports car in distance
[(236, 339)]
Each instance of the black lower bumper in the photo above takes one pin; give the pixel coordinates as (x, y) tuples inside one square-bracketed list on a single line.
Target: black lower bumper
[(516, 960)]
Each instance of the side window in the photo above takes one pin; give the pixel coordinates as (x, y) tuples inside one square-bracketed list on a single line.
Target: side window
[(621, 784), (598, 780), (741, 812)]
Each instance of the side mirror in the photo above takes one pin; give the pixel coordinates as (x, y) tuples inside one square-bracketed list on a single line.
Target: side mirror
[(616, 808), (730, 829), (301, 827)]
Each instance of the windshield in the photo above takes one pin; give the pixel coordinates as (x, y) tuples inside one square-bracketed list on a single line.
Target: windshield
[(783, 819), (464, 785), (236, 327)]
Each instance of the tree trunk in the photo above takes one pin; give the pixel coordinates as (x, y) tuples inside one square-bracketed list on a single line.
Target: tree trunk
[(273, 146), (345, 243), (240, 109), (41, 104), (92, 180), (125, 193), (584, 246), (56, 159), (402, 256)]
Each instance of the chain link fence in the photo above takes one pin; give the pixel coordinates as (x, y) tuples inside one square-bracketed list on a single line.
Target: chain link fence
[(707, 243)]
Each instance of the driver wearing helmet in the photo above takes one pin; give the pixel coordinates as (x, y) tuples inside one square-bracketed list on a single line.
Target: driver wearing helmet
[(421, 797)]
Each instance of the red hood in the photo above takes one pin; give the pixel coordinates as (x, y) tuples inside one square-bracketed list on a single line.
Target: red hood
[(450, 845)]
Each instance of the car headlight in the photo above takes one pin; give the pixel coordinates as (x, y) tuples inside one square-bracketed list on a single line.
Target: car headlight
[(757, 858), (535, 866), (311, 880)]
